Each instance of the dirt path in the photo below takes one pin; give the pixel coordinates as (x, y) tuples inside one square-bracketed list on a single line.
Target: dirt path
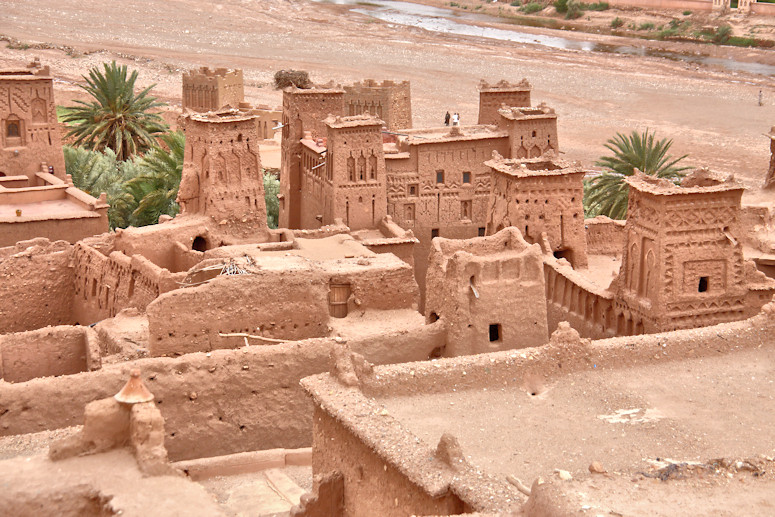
[(711, 114)]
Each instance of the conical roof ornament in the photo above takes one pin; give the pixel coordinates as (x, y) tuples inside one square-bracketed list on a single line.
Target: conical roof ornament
[(134, 391)]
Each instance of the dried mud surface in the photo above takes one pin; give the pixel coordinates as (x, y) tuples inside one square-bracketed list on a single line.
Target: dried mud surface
[(687, 410), (711, 114)]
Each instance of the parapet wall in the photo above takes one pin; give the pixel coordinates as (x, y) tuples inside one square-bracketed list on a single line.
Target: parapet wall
[(351, 423), (50, 351)]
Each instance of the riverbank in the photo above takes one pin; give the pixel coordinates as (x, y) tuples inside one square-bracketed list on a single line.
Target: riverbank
[(676, 25), (710, 113)]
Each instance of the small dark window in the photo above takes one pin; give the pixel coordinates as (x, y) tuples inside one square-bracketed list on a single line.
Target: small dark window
[(703, 285), (434, 233), (413, 189), (466, 177), (439, 176), (433, 317), (481, 231), (12, 129), (534, 134), (495, 332)]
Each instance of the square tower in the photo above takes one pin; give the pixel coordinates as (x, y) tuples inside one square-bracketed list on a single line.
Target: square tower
[(211, 90), (222, 175), (544, 199), (388, 100), (532, 131), (683, 264), (489, 292), (303, 114), (494, 96), (355, 166), (29, 130)]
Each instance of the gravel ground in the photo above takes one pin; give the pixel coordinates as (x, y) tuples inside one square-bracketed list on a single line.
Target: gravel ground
[(711, 114)]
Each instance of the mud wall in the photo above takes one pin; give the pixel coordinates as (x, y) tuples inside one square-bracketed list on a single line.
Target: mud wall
[(69, 227), (47, 352), (763, 9), (373, 486), (223, 402), (291, 306), (605, 236), (589, 309), (103, 285), (36, 285)]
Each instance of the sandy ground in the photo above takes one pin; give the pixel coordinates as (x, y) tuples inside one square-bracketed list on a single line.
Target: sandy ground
[(712, 115), (693, 410)]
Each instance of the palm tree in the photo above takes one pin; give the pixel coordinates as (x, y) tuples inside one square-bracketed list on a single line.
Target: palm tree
[(155, 188), (117, 118), (607, 194), (95, 172)]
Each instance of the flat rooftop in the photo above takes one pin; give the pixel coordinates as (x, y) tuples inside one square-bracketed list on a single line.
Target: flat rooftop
[(687, 410), (45, 209)]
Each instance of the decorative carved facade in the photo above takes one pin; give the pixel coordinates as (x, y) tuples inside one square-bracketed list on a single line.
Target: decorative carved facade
[(544, 199), (29, 131), (222, 175), (683, 264), (388, 100)]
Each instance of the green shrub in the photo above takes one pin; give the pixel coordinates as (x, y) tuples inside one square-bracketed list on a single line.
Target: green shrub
[(561, 6), (532, 7), (455, 4), (599, 6), (616, 23), (737, 41), (722, 34), (574, 11), (687, 13), (646, 26)]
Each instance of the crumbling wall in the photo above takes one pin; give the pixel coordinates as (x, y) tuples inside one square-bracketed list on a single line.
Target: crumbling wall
[(50, 351), (590, 310), (104, 285), (36, 285), (489, 291)]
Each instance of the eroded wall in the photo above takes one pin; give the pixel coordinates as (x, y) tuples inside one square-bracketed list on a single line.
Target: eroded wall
[(36, 285), (369, 479), (50, 351), (488, 291)]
